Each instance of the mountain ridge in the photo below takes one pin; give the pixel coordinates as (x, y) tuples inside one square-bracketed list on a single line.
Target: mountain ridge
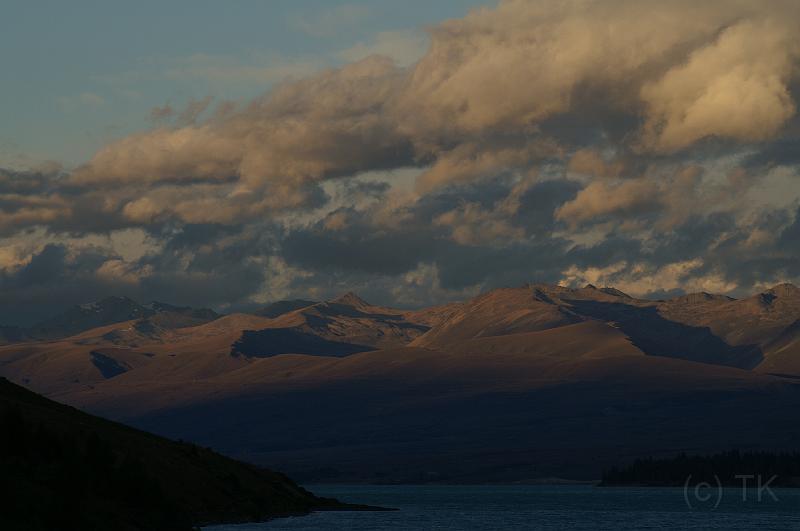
[(108, 310)]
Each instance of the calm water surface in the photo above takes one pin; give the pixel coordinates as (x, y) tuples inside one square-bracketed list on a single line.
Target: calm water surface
[(546, 507)]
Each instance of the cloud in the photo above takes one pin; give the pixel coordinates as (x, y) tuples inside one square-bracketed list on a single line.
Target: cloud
[(591, 162), (474, 237), (735, 87), (48, 281), (471, 225), (200, 265), (601, 199), (643, 279), (661, 199), (783, 151), (29, 199), (327, 126), (509, 68), (475, 160), (490, 95), (649, 144)]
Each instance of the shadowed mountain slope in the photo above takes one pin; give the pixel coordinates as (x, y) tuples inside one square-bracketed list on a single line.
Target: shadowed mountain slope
[(350, 319), (275, 341)]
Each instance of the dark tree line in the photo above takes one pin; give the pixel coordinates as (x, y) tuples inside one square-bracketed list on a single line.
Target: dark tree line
[(725, 467)]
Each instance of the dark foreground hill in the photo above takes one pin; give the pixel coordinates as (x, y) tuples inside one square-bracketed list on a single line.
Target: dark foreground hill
[(63, 469)]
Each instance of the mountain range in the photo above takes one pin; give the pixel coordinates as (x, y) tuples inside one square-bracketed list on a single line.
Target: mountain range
[(107, 311), (516, 384)]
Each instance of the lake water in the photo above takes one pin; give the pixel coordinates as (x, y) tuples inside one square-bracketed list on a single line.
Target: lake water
[(546, 507)]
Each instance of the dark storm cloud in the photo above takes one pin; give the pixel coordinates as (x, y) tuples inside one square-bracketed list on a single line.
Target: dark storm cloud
[(359, 247), (198, 265), (464, 266), (743, 259), (356, 244), (782, 152), (207, 264), (538, 205), (790, 236), (27, 182), (53, 280), (695, 237), (29, 199)]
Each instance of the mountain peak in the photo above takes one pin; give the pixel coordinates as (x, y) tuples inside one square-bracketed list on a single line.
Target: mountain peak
[(785, 289), (350, 299)]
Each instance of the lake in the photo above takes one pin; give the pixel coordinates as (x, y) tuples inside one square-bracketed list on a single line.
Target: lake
[(492, 507)]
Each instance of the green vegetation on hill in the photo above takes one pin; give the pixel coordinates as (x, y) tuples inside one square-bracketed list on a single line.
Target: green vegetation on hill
[(66, 470), (783, 469)]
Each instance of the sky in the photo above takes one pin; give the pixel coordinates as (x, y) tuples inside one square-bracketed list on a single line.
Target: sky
[(232, 154), (78, 75)]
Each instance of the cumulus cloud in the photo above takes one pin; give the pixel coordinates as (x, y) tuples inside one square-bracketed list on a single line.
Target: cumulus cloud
[(488, 96), (600, 199), (511, 67), (29, 199), (475, 160), (661, 199), (591, 162), (327, 126), (736, 87), (471, 225)]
